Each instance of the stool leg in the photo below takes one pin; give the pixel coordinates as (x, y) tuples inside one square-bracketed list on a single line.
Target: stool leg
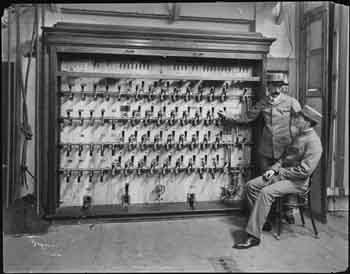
[(277, 219), (311, 217), (279, 216), (301, 211)]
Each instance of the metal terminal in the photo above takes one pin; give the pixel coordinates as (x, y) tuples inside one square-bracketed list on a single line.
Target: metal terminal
[(82, 91), (113, 148), (119, 94), (101, 175), (195, 121), (202, 168), (137, 95), (213, 169), (223, 95), (71, 95), (87, 200), (180, 144), (178, 164), (208, 118), (80, 116), (91, 116), (70, 120), (68, 175), (189, 166), (193, 142), (199, 95), (205, 142), (211, 94), (102, 149), (68, 150), (91, 175), (80, 174), (188, 94), (175, 94), (191, 199), (126, 196), (80, 150), (95, 92), (150, 93), (91, 148), (106, 93)]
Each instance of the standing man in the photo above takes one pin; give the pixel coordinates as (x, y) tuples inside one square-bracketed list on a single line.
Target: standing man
[(276, 108), (289, 175)]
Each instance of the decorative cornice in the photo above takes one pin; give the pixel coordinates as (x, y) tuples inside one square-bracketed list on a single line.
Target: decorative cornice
[(165, 41), (129, 31), (249, 23)]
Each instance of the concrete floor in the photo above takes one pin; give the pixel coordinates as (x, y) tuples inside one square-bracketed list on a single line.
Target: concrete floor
[(185, 245)]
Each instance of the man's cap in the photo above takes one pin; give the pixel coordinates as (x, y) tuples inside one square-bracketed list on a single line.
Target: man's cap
[(312, 114), (276, 78)]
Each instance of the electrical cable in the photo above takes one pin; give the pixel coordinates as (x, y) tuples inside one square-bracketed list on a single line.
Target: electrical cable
[(26, 128)]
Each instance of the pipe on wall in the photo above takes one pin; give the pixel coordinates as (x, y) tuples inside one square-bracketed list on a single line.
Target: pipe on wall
[(16, 98), (37, 88), (9, 113)]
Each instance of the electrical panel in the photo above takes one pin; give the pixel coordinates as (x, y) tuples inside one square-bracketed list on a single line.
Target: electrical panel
[(131, 120), (151, 135)]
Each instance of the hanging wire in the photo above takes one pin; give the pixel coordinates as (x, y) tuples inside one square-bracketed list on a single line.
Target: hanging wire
[(25, 127)]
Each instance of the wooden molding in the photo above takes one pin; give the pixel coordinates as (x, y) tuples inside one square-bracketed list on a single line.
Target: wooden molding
[(249, 23), (133, 39)]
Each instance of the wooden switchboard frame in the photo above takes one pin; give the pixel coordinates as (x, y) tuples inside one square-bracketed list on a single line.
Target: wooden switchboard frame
[(131, 41)]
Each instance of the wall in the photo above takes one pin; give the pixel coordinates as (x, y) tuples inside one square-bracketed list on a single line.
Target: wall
[(282, 57), (225, 10), (284, 32), (26, 27)]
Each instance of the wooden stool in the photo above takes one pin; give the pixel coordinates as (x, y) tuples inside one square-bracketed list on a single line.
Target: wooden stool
[(303, 202)]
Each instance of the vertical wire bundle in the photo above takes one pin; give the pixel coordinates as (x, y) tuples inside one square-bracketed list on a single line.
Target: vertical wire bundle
[(26, 129)]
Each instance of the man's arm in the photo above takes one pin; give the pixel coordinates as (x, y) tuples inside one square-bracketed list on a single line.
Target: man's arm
[(295, 105), (246, 116), (276, 166), (307, 165)]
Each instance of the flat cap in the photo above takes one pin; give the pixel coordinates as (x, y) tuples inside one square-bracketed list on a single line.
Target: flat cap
[(277, 78)]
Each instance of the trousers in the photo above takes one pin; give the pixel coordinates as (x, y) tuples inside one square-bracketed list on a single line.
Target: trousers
[(260, 196), (264, 164)]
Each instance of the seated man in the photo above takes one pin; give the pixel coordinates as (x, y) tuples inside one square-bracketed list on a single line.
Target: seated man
[(288, 175)]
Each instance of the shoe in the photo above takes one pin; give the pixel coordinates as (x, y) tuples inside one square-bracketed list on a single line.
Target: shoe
[(267, 226), (250, 242)]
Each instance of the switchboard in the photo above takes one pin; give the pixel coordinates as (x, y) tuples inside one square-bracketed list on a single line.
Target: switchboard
[(142, 129)]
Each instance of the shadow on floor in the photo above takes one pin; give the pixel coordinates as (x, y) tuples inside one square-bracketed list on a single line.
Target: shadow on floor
[(238, 221), (21, 219)]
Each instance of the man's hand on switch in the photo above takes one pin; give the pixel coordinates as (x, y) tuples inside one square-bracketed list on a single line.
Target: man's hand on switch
[(268, 174), (222, 114)]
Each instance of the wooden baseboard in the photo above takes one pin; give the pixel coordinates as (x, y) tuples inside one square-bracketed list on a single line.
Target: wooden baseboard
[(146, 212)]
